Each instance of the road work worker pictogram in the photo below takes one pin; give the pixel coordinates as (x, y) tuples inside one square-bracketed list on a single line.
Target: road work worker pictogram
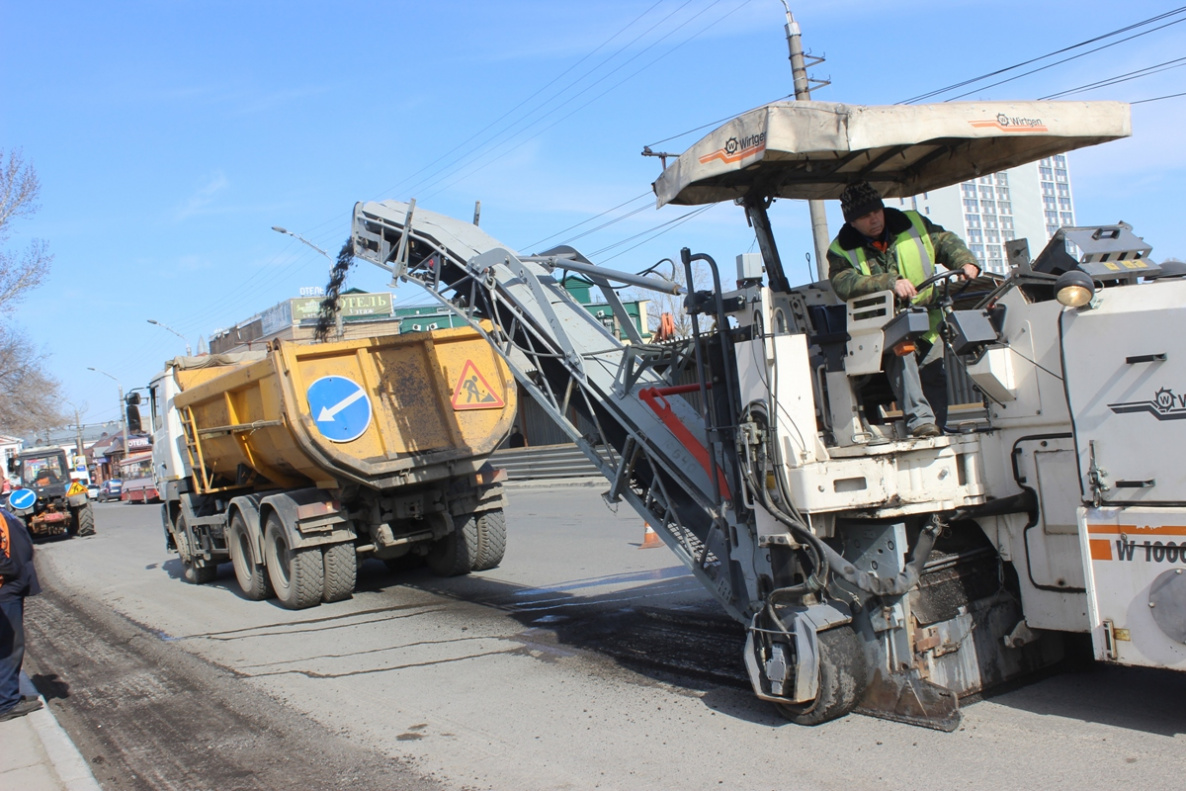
[(472, 391)]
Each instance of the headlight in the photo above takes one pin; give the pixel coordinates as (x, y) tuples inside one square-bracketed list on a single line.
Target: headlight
[(1074, 288)]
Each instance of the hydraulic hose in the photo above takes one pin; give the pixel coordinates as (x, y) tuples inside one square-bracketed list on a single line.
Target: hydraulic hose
[(826, 559)]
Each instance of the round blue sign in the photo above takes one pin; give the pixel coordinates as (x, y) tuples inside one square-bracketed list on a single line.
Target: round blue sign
[(340, 408), (22, 499)]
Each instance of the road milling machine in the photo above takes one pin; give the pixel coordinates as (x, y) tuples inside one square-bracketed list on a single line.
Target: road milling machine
[(873, 570)]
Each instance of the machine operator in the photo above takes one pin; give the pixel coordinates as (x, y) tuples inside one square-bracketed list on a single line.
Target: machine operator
[(881, 249)]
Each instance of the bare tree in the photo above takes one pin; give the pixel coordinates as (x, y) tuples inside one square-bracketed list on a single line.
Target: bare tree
[(29, 398), (19, 188)]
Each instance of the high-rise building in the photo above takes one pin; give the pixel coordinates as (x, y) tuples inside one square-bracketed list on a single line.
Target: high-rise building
[(1029, 202)]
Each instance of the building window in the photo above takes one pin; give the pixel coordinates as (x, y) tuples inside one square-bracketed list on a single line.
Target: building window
[(1002, 193), (969, 190), (1002, 179), (972, 220), (988, 207), (1068, 218), (1006, 223), (970, 204), (1047, 174), (1051, 217)]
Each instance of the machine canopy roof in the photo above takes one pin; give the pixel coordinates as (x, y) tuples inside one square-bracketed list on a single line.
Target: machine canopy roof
[(811, 150)]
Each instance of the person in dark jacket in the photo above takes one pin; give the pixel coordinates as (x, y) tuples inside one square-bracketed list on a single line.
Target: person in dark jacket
[(18, 579), (881, 249)]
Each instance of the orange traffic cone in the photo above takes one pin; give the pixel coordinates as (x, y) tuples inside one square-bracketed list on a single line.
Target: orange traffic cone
[(650, 539)]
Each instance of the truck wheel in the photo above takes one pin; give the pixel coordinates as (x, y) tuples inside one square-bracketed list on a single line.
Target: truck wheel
[(297, 575), (197, 571), (843, 678), (455, 554), (492, 540), (340, 563), (252, 577), (84, 520)]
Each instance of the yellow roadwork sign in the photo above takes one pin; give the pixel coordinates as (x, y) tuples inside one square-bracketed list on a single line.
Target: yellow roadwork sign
[(472, 391)]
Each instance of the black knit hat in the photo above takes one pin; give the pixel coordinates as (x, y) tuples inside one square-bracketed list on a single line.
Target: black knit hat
[(858, 199)]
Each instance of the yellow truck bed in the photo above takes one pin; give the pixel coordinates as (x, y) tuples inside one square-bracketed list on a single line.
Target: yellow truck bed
[(382, 412)]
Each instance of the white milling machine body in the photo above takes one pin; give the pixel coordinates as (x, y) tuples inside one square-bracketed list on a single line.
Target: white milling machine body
[(872, 570)]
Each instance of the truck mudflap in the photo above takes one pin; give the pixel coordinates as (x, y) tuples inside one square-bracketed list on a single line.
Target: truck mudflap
[(310, 517), (1136, 584)]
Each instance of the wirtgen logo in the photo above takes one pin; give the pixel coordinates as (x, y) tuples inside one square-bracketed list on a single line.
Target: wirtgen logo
[(737, 148), (1165, 405), (1009, 123)]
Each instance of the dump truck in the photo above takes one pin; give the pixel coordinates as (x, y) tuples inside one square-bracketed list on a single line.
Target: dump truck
[(298, 461), (48, 499), (873, 570)]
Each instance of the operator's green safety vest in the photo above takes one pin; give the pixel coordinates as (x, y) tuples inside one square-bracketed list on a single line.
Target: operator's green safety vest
[(916, 263)]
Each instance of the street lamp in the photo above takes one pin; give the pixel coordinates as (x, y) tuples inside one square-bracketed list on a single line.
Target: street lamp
[(123, 414), (300, 238), (188, 352)]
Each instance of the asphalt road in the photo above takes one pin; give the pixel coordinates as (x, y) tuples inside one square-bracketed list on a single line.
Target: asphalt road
[(581, 662)]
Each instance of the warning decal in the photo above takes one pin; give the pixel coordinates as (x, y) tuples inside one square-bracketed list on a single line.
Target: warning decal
[(472, 391)]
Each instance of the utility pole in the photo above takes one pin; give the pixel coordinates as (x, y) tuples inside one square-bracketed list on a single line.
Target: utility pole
[(819, 217), (123, 412), (78, 433)]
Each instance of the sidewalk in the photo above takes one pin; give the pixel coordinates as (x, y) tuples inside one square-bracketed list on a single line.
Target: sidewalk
[(37, 755)]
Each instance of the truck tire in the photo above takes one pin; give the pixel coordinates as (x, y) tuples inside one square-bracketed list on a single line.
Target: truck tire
[(844, 675), (492, 540), (455, 554), (84, 520), (197, 571), (249, 571), (297, 575), (340, 563)]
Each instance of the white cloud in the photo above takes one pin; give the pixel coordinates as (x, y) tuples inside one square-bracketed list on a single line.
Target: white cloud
[(201, 201)]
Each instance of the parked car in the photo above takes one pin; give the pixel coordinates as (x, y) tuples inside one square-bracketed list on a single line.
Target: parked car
[(92, 490), (110, 490)]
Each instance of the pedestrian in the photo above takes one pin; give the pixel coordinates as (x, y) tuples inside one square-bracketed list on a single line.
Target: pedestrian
[(881, 249), (18, 579)]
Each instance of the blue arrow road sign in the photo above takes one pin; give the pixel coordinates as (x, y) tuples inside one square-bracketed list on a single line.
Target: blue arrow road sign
[(22, 499), (340, 408)]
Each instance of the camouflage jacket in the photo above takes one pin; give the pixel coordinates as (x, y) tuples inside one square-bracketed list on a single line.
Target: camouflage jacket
[(848, 281)]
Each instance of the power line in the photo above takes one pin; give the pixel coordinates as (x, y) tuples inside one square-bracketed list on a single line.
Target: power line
[(560, 120), (544, 88), (1132, 75), (991, 74), (1065, 60), (534, 245), (1158, 98)]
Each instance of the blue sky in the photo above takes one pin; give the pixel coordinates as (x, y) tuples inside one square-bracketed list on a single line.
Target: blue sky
[(170, 136)]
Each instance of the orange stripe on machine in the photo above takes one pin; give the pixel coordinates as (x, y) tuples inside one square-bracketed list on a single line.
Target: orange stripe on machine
[(1137, 530)]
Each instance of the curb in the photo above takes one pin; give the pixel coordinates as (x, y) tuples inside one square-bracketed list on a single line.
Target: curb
[(66, 761)]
